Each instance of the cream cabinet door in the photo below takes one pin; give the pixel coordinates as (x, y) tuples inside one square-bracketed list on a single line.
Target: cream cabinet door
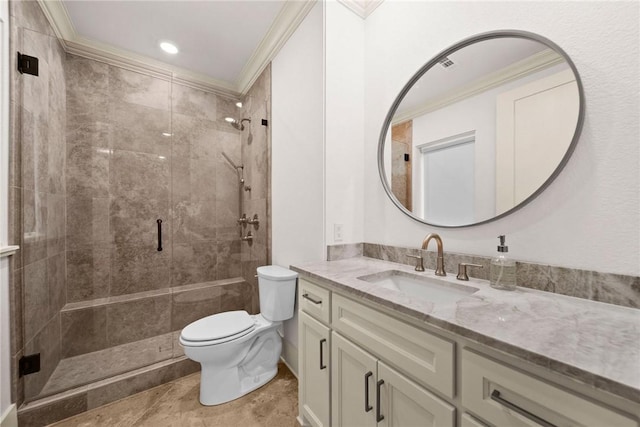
[(422, 355), (353, 381), (314, 368), (403, 403)]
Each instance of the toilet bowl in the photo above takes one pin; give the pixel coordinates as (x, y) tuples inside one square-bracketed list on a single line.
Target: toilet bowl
[(239, 352)]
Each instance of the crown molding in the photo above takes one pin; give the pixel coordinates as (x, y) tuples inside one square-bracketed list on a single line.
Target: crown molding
[(59, 19), (143, 64), (287, 21), (362, 8), (534, 63)]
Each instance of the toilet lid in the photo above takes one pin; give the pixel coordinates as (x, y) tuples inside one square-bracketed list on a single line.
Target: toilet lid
[(275, 272), (218, 326)]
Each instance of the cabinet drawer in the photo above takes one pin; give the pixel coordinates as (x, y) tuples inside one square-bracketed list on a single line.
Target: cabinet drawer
[(423, 356), (503, 396), (314, 300), (468, 421)]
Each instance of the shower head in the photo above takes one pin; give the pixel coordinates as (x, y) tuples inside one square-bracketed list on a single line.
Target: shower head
[(235, 123)]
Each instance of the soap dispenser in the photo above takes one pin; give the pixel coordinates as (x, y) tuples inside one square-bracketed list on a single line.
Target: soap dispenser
[(503, 269)]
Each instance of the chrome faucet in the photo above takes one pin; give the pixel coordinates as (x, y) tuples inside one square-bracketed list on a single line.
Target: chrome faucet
[(440, 262)]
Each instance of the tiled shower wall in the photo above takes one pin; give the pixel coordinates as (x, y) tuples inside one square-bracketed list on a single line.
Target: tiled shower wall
[(98, 154), (256, 149), (87, 188), (139, 149), (142, 148), (401, 143), (37, 197)]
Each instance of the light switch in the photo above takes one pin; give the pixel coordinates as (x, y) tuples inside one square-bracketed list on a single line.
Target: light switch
[(338, 234)]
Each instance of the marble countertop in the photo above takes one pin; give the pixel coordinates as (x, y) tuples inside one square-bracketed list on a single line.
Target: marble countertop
[(592, 342)]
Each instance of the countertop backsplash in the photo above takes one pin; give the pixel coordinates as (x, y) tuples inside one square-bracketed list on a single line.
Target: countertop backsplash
[(609, 288)]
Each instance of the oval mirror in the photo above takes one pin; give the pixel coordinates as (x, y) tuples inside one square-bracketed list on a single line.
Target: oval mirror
[(481, 129)]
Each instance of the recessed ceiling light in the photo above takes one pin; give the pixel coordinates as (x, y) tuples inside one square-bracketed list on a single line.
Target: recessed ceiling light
[(166, 134), (169, 47), (239, 104)]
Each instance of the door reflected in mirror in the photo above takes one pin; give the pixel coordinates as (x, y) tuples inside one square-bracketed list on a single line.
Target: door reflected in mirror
[(481, 129)]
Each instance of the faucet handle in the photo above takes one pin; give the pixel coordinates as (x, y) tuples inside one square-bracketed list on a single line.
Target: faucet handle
[(419, 262), (462, 270)]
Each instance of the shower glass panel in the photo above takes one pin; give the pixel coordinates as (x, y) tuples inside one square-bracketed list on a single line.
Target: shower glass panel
[(107, 153)]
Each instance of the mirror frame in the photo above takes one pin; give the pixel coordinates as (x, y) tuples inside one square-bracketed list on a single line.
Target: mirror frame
[(434, 61)]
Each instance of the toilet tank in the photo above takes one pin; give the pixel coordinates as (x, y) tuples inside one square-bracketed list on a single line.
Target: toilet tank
[(277, 287)]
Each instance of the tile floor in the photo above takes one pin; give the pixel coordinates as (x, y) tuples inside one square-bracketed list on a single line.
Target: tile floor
[(176, 404)]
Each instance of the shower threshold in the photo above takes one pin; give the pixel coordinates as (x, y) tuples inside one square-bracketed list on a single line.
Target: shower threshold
[(88, 368)]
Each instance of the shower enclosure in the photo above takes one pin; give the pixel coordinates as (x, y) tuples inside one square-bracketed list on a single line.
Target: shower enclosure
[(104, 153)]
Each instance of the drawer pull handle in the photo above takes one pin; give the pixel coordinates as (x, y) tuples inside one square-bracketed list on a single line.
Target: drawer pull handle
[(495, 395), (315, 301), (367, 407), (379, 416), (322, 365)]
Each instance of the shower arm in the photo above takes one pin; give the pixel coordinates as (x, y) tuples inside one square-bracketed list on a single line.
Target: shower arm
[(239, 169)]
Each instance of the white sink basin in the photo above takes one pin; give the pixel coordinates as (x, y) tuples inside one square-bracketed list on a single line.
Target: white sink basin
[(430, 288)]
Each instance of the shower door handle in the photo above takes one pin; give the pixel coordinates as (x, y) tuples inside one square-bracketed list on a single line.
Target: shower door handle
[(159, 221)]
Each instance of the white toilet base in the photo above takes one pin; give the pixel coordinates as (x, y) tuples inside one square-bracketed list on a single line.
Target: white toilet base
[(249, 384), (218, 387), (250, 362)]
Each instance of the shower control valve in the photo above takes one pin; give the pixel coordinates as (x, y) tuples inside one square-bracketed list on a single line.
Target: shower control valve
[(247, 238), (254, 220)]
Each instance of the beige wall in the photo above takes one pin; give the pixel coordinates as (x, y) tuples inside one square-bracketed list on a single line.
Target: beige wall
[(256, 149)]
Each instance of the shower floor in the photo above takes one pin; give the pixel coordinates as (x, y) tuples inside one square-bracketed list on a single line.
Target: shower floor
[(87, 368)]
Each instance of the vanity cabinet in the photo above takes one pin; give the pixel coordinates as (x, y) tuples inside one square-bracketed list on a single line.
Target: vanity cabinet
[(368, 392), (366, 366), (314, 353)]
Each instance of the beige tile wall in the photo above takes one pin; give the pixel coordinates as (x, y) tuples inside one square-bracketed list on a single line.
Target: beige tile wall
[(91, 173), (123, 175), (256, 148)]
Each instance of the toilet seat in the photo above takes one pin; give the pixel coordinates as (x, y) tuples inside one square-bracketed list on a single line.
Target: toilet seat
[(218, 329)]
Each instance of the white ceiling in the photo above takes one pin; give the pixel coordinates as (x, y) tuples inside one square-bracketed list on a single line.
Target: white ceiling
[(224, 44), (215, 38)]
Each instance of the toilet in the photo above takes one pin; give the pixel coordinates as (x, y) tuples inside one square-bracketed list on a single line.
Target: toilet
[(239, 352)]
